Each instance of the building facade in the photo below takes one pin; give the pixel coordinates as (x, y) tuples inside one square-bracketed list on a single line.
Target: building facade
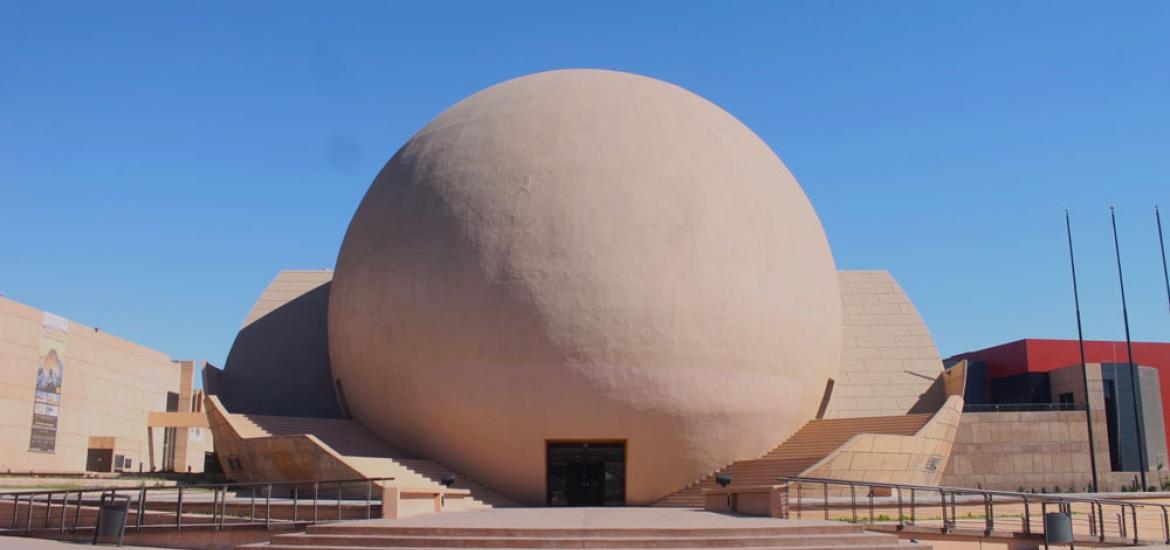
[(75, 399), (1025, 422)]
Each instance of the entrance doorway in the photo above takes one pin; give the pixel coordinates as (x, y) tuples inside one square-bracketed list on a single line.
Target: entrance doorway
[(586, 473)]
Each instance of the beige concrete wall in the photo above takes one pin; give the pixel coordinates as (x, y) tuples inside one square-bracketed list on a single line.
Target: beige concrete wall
[(890, 361), (1008, 450), (920, 459), (108, 388)]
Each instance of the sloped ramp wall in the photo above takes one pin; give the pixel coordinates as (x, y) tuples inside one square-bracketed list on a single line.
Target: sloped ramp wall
[(920, 459)]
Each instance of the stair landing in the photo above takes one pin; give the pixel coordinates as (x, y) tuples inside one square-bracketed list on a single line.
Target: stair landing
[(586, 528)]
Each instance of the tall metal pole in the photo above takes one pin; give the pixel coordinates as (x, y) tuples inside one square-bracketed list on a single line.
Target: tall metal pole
[(1162, 245), (1133, 374), (1081, 340)]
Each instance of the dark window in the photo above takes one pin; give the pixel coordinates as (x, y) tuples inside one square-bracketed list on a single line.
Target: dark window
[(1028, 387), (1066, 399), (1124, 455), (168, 450)]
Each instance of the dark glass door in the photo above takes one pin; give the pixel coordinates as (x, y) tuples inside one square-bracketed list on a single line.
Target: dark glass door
[(586, 474)]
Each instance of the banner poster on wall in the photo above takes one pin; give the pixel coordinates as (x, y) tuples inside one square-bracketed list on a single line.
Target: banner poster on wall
[(47, 401)]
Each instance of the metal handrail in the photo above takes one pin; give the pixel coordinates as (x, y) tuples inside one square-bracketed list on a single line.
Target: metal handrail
[(949, 502), (56, 511)]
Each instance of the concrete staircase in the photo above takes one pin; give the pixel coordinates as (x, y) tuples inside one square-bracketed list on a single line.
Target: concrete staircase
[(805, 448), (367, 454), (794, 535)]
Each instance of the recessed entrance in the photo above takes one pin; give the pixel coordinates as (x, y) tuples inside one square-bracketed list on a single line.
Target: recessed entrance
[(586, 473)]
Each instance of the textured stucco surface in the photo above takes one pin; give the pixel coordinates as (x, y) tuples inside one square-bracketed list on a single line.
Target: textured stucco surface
[(585, 255)]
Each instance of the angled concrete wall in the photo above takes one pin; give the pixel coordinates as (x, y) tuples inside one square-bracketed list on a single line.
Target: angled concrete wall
[(890, 363), (919, 459), (279, 362)]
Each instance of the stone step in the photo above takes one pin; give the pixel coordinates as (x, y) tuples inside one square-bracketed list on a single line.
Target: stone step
[(866, 546), (834, 528), (726, 541)]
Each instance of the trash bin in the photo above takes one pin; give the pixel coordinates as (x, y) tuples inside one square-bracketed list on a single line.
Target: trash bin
[(1057, 528), (113, 511)]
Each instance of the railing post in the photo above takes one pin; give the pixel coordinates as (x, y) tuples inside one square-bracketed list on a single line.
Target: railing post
[(252, 506), (913, 508), (901, 515), (1027, 517), (871, 505), (1101, 520), (1043, 513), (988, 524), (826, 502), (222, 506), (141, 509), (28, 524), (954, 511), (942, 495), (369, 497), (1165, 525), (853, 500), (1135, 523), (296, 493), (339, 500), (268, 506), (787, 497), (179, 510), (799, 499), (316, 487), (77, 511), (64, 510), (15, 509)]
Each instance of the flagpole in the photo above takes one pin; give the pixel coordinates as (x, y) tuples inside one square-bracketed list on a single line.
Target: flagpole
[(1081, 340), (1133, 374), (1162, 245)]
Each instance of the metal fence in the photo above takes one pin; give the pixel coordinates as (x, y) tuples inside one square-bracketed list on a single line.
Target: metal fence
[(1022, 407), (213, 506), (952, 509)]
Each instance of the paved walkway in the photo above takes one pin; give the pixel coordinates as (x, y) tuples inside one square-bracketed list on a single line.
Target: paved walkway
[(21, 543), (594, 518)]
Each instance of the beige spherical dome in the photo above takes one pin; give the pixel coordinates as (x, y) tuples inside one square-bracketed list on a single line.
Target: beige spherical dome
[(584, 255)]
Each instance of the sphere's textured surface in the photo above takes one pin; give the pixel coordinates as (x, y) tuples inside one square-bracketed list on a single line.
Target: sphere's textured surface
[(584, 255)]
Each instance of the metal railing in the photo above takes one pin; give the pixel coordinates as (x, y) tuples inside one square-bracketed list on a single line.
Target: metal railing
[(214, 506), (953, 508), (1022, 407)]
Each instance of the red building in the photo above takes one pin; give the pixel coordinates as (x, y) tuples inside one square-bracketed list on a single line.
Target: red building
[(1035, 356)]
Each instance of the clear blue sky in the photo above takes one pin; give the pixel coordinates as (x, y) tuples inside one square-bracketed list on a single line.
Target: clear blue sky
[(160, 161)]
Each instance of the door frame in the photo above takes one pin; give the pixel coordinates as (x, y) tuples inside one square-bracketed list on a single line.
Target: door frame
[(625, 443)]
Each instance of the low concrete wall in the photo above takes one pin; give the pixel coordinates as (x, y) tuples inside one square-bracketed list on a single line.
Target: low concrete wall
[(1032, 450), (754, 500)]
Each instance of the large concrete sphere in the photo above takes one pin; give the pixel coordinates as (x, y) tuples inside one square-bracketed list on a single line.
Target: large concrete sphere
[(585, 255)]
